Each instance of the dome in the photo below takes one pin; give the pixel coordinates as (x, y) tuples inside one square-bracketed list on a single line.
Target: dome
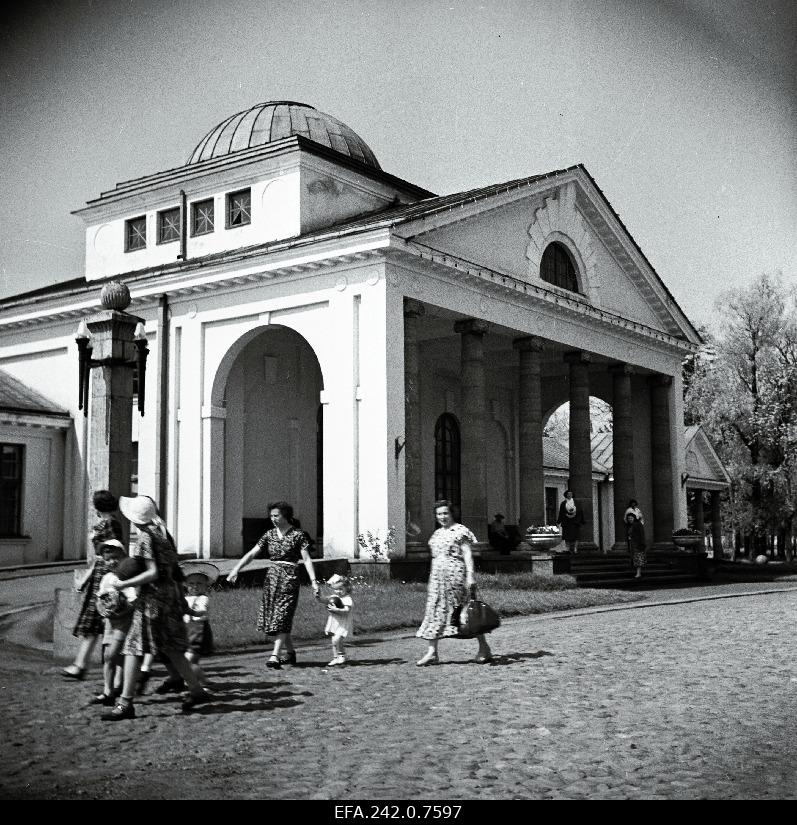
[(279, 119)]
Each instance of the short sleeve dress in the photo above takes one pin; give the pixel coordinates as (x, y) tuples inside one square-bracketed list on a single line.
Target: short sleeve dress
[(157, 625), (89, 622), (447, 587), (281, 585)]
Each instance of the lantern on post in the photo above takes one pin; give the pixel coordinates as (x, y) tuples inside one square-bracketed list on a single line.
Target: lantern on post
[(110, 326)]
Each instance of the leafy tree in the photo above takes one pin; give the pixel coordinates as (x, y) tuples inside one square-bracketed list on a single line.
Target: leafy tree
[(746, 399)]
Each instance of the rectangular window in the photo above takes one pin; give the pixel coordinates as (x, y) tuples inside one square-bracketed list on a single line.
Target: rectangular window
[(202, 217), (11, 463), (239, 208), (169, 225), (136, 234), (134, 468)]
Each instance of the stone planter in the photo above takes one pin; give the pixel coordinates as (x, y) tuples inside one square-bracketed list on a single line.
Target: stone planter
[(542, 541), (686, 541)]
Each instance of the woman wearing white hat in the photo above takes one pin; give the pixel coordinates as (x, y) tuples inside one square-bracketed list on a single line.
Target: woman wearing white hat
[(157, 625)]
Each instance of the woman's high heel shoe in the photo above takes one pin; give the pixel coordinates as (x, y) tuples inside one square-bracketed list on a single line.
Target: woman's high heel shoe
[(274, 663), (428, 660), (289, 658)]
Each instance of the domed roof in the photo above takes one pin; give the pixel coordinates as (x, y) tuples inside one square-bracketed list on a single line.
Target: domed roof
[(278, 119)]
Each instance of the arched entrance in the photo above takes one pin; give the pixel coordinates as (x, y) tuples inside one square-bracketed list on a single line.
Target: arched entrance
[(270, 384)]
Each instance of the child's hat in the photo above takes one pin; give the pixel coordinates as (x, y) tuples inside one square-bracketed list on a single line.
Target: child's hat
[(200, 568), (113, 543), (337, 579)]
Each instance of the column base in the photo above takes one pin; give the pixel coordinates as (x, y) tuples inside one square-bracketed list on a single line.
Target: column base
[(587, 547), (619, 547)]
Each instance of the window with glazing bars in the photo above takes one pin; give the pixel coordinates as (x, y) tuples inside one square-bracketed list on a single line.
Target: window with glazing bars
[(202, 217), (447, 480), (136, 234), (11, 463), (169, 225), (556, 267), (239, 208)]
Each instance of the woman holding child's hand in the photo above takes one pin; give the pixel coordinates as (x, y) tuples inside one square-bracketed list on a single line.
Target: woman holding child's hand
[(286, 547)]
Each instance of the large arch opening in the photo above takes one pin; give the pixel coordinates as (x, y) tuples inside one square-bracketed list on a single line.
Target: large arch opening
[(273, 434)]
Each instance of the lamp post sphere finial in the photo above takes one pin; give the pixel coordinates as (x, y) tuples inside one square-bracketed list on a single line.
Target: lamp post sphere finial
[(115, 295)]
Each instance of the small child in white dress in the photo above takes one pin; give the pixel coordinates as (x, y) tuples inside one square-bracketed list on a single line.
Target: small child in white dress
[(340, 623)]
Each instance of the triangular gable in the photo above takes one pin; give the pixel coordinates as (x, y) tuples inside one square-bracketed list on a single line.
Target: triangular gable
[(704, 468), (506, 229)]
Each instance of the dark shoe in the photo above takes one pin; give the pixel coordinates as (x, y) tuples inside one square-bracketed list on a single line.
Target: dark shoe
[(171, 685), (141, 686), (274, 663), (79, 673), (192, 701), (105, 699), (289, 658), (120, 712)]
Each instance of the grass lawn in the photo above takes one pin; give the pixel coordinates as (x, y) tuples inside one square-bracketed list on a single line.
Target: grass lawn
[(391, 605)]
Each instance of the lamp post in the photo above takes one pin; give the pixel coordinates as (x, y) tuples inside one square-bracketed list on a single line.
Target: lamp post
[(111, 344)]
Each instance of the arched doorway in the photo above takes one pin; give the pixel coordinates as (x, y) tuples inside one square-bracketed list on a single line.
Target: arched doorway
[(272, 435)]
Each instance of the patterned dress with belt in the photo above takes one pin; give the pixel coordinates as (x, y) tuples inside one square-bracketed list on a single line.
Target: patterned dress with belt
[(447, 587), (281, 585)]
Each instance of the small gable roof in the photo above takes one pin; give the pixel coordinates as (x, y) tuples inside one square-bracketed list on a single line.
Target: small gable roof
[(16, 397)]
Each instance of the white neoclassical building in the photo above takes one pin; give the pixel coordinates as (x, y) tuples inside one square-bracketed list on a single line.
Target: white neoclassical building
[(324, 332)]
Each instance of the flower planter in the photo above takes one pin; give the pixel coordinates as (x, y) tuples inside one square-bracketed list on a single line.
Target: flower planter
[(543, 541), (686, 541)]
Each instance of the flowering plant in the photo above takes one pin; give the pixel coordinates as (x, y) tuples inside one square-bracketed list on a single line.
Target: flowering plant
[(685, 531), (378, 549), (547, 529)]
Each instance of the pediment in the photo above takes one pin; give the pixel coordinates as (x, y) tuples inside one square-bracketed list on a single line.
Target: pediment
[(508, 231), (702, 464)]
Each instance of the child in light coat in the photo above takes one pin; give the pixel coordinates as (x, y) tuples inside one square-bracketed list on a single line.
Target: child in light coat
[(340, 624)]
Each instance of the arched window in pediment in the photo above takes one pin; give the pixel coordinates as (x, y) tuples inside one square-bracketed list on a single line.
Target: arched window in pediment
[(557, 267)]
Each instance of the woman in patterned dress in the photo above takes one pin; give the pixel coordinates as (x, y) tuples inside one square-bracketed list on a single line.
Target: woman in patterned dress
[(157, 625), (450, 579), (90, 625), (285, 547), (635, 536)]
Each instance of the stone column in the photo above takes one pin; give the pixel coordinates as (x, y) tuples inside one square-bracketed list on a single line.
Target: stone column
[(623, 434), (111, 403), (473, 426), (716, 526), (532, 480), (581, 442), (413, 437), (661, 460), (699, 521)]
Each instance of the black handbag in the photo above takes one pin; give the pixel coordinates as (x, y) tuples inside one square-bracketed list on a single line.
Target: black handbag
[(475, 617)]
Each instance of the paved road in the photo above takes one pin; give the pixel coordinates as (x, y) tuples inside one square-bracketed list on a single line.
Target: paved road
[(689, 701)]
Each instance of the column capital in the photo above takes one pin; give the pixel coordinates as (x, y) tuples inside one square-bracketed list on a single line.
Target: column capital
[(578, 357), (621, 369), (413, 308), (528, 343), (660, 380), (471, 326)]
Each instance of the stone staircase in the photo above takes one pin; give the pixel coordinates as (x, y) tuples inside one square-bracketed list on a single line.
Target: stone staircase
[(663, 569)]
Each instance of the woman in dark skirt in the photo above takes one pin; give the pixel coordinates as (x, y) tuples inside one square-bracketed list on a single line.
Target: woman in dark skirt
[(285, 547), (571, 517)]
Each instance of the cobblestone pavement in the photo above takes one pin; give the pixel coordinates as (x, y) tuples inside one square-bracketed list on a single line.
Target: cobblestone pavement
[(669, 702)]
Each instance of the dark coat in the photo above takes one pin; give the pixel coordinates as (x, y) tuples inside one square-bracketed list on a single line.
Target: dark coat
[(571, 525), (635, 536)]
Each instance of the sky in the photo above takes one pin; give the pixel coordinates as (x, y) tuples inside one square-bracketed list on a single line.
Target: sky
[(685, 113)]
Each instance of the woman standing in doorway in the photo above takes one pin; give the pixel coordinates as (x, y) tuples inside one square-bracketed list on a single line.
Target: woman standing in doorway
[(571, 518), (635, 537), (450, 579), (285, 547)]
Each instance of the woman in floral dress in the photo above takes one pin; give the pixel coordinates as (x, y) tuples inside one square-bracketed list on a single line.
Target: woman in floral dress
[(450, 579), (285, 547), (157, 625)]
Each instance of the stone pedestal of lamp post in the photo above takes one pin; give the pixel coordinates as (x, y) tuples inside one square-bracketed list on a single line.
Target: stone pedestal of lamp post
[(110, 443)]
